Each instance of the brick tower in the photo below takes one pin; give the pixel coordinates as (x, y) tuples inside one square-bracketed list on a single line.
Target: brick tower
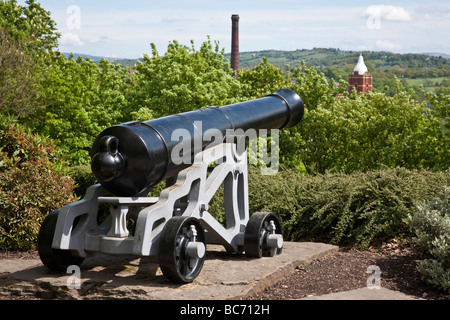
[(360, 78)]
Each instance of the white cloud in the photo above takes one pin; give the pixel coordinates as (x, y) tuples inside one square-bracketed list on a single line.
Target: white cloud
[(387, 45), (387, 12), (71, 39)]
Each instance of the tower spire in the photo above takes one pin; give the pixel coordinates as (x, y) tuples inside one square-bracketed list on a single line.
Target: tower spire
[(360, 79), (360, 66)]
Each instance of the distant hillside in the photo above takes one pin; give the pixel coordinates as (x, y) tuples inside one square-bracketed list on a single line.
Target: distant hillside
[(432, 70), (437, 54), (84, 56), (121, 61), (324, 58), (337, 58)]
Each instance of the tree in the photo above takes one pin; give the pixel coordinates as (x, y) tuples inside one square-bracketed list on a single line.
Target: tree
[(184, 79), (27, 39), (312, 86), (19, 84), (262, 80), (356, 132), (83, 99), (317, 93), (366, 132), (30, 24), (439, 107)]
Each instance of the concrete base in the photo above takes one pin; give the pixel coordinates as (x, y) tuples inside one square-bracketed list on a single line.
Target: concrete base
[(224, 276)]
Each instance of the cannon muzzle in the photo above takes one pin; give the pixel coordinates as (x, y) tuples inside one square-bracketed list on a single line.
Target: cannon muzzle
[(130, 158)]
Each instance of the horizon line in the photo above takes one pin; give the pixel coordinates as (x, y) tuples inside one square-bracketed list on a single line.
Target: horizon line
[(431, 53)]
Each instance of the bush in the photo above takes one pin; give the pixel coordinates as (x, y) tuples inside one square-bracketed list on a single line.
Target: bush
[(33, 182), (83, 179), (356, 209), (431, 224)]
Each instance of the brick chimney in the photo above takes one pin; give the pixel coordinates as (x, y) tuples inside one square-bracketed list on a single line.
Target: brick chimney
[(235, 42)]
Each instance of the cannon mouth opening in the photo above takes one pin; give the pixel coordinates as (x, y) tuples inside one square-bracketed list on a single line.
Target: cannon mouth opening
[(295, 106)]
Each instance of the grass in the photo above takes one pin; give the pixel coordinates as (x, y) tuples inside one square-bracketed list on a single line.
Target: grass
[(423, 82)]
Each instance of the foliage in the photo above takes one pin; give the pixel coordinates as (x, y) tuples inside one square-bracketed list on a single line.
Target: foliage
[(315, 90), (356, 132), (83, 178), (364, 131), (19, 85), (262, 80), (33, 182), (373, 130), (28, 39), (30, 24), (184, 79), (83, 99), (439, 107), (355, 209), (431, 224), (312, 86)]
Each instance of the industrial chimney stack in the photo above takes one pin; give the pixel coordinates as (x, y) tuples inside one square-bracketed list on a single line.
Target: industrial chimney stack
[(235, 42)]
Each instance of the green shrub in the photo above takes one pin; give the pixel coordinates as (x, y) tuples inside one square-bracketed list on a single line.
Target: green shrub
[(346, 209), (33, 182), (431, 224), (83, 179)]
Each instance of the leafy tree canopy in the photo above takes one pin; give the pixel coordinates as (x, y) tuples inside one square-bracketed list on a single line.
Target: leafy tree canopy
[(30, 24), (185, 79)]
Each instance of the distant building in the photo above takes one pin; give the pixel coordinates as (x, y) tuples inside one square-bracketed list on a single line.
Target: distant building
[(360, 79)]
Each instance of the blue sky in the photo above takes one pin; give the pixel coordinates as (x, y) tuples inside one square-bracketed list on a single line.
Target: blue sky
[(125, 29)]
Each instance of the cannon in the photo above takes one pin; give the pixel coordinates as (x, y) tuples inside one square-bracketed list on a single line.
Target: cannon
[(195, 153)]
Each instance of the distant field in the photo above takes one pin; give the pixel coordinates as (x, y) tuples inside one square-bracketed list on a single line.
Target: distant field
[(422, 81), (425, 82)]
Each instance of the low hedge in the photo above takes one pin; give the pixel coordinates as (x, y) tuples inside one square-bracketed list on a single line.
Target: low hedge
[(357, 209)]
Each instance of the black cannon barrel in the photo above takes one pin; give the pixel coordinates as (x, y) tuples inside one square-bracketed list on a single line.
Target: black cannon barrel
[(129, 158)]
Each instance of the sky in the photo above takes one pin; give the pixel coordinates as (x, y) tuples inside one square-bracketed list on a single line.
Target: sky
[(125, 29)]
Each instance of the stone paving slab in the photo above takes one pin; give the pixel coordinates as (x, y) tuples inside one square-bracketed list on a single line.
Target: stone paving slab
[(224, 276)]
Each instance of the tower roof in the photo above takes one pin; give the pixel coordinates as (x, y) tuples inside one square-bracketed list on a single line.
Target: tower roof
[(360, 66)]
